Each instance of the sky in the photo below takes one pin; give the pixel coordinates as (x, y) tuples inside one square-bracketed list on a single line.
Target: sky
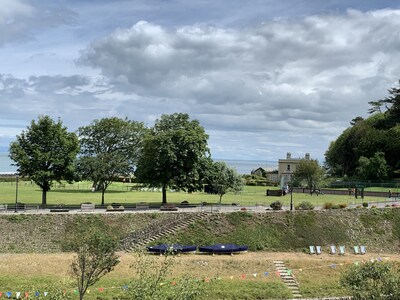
[(263, 77)]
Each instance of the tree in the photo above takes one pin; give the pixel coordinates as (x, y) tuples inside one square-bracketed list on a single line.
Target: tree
[(372, 280), (356, 120), (45, 152), (222, 179), (339, 157), (174, 154), (378, 133), (374, 167), (109, 148), (95, 256), (309, 170)]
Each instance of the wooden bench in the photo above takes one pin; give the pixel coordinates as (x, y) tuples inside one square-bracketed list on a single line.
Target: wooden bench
[(87, 207), (59, 208), (31, 207), (168, 207), (142, 206), (3, 207)]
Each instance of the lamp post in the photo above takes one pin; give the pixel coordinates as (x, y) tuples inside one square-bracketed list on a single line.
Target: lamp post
[(291, 192), (16, 192)]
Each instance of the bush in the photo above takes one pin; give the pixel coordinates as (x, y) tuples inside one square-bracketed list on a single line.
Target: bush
[(121, 207), (327, 205), (336, 206), (110, 207), (365, 204), (372, 280), (277, 205), (342, 205), (305, 205)]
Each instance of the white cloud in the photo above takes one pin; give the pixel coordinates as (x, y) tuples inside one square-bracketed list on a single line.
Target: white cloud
[(299, 73), (289, 84)]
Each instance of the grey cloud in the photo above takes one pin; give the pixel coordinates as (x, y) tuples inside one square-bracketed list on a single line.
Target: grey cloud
[(20, 18), (279, 83), (308, 75)]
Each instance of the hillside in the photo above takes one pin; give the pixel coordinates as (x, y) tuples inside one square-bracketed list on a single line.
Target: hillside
[(378, 229)]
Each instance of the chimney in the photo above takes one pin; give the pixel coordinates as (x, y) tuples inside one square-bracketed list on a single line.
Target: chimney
[(307, 156), (288, 155)]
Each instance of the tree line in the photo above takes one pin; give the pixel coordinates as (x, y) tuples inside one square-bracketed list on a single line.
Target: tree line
[(173, 154), (369, 148)]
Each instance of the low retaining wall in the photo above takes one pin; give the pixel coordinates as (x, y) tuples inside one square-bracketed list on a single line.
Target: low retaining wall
[(350, 193)]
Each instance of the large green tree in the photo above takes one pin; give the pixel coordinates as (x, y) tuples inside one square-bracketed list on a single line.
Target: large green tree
[(373, 168), (109, 148), (222, 179), (377, 133), (174, 154), (45, 152), (310, 171)]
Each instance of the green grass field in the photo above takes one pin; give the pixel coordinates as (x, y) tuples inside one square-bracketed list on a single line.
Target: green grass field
[(125, 193)]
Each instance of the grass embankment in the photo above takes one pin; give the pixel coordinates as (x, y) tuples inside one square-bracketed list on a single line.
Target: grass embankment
[(275, 232), (80, 192), (378, 229)]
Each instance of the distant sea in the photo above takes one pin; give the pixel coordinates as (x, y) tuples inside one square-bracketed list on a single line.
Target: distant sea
[(5, 164), (241, 166), (246, 166)]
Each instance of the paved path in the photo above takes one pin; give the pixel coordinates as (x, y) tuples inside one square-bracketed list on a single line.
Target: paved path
[(32, 209)]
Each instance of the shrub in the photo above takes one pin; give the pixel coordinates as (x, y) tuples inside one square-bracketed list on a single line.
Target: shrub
[(251, 183), (372, 280), (327, 205), (110, 207), (365, 204), (305, 205), (342, 205), (121, 207), (277, 205), (336, 206)]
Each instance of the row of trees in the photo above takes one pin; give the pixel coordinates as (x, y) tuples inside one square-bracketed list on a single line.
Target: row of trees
[(172, 154), (370, 148)]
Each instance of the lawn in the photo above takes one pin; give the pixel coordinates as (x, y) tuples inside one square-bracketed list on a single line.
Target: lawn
[(242, 276), (80, 192)]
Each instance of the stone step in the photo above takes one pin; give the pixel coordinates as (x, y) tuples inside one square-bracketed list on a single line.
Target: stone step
[(290, 282), (288, 279)]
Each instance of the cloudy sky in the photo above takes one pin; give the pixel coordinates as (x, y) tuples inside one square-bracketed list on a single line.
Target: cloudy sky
[(263, 77)]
